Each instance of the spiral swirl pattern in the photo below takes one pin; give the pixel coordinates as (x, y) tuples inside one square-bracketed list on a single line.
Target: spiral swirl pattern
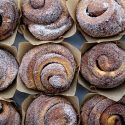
[(8, 114), (104, 65), (49, 68), (46, 110), (99, 110), (103, 18), (46, 19), (9, 16), (8, 69)]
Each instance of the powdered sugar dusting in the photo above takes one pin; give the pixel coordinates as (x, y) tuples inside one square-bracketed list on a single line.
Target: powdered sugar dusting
[(109, 23), (105, 5), (9, 13), (48, 22), (8, 69), (41, 32), (104, 65), (51, 110), (45, 62), (56, 75), (9, 110), (71, 114), (58, 82)]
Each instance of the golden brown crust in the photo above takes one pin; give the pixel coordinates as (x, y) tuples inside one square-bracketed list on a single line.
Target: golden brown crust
[(88, 106), (103, 65), (9, 16), (8, 69), (103, 18), (8, 114), (114, 110), (46, 19), (49, 68), (47, 110), (99, 110)]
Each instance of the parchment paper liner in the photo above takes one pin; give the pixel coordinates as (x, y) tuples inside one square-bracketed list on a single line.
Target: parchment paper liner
[(72, 99), (10, 91), (10, 40), (115, 93), (90, 95), (89, 38), (34, 41), (25, 46)]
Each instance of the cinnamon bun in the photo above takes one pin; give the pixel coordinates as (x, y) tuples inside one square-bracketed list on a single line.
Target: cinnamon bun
[(8, 114), (49, 68), (46, 19), (103, 18), (99, 110), (103, 66), (46, 110), (9, 16), (8, 69)]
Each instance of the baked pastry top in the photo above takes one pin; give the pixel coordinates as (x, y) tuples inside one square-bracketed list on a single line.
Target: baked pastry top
[(46, 19), (9, 18), (49, 68), (8, 69), (103, 65), (99, 110), (101, 18), (8, 114), (48, 110)]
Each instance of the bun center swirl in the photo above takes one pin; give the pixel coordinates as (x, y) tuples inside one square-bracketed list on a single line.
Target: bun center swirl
[(114, 120), (42, 11), (57, 76), (108, 62), (37, 3), (97, 7)]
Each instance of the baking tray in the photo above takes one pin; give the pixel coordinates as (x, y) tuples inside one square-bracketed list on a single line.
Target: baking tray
[(77, 40)]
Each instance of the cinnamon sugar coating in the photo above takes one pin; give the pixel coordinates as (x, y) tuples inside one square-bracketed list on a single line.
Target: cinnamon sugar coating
[(103, 18), (49, 68), (46, 110), (46, 19), (8, 114), (99, 110), (9, 16), (103, 66), (8, 69)]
